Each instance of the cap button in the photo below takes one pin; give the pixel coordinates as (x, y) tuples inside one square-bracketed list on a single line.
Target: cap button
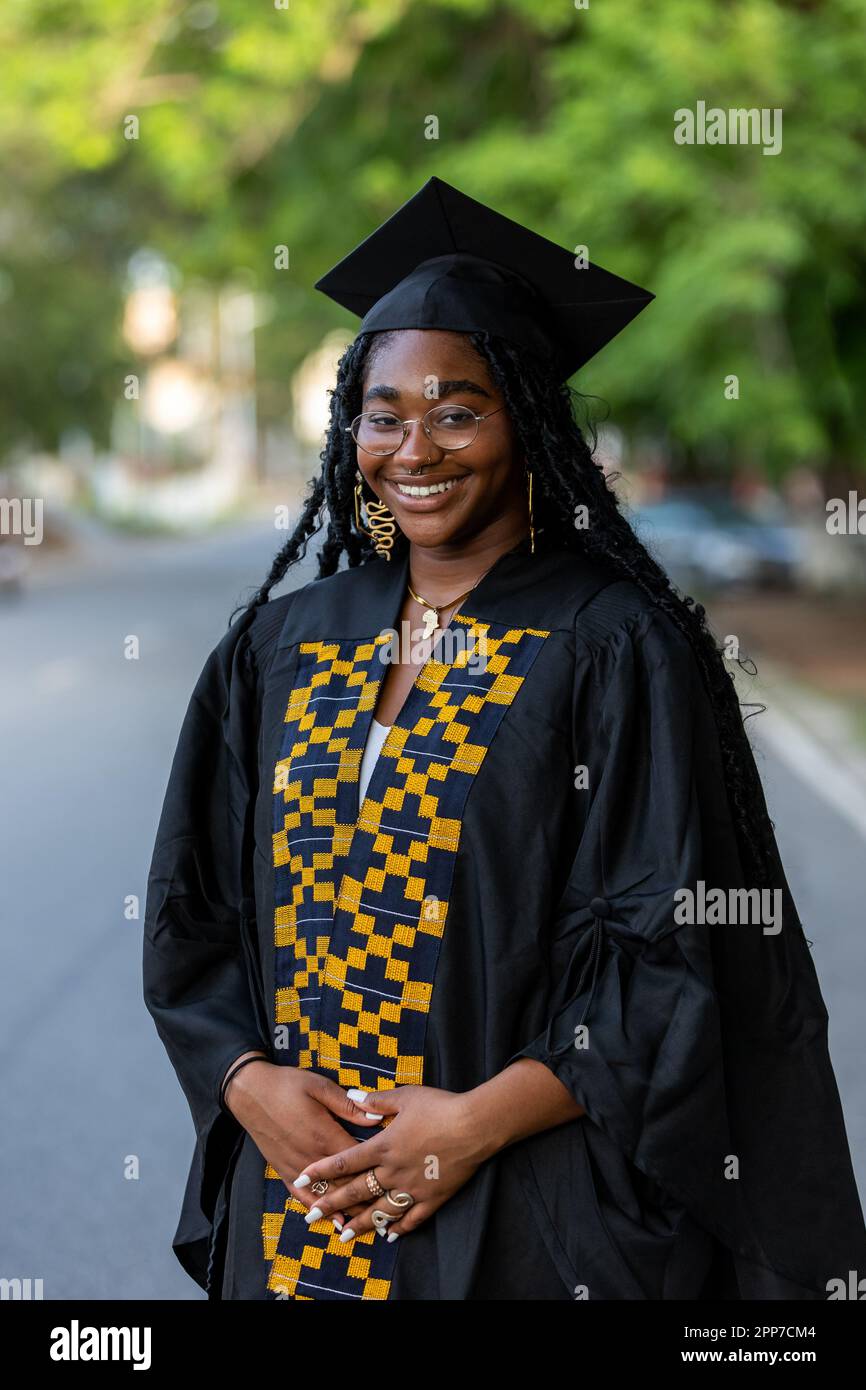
[(600, 907)]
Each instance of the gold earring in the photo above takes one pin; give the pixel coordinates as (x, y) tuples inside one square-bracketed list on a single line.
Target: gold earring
[(383, 523), (531, 527)]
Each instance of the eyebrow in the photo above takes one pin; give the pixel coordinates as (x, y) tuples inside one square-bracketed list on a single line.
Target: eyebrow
[(446, 388)]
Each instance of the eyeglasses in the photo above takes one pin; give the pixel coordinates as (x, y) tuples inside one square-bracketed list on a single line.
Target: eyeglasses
[(447, 426)]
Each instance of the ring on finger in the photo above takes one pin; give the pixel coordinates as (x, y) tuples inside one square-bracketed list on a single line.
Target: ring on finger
[(382, 1220), (401, 1200), (374, 1186)]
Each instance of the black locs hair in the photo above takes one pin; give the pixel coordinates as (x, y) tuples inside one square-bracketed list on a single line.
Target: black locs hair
[(565, 476)]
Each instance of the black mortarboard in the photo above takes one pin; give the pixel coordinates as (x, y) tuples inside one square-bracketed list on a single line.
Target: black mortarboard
[(443, 260)]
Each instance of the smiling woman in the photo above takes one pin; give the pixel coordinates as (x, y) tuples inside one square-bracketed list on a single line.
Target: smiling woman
[(436, 482), (443, 1034)]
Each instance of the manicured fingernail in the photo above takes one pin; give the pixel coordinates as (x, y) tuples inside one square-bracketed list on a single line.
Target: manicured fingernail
[(303, 1181), (372, 1117), (338, 1224), (356, 1095), (393, 1235), (314, 1214), (348, 1234)]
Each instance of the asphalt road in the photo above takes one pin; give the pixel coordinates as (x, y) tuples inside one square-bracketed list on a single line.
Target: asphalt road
[(87, 742)]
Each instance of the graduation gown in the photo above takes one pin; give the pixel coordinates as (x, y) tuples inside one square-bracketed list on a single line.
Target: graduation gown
[(506, 889)]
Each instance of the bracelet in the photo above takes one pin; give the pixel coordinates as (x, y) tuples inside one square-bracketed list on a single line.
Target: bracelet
[(256, 1057)]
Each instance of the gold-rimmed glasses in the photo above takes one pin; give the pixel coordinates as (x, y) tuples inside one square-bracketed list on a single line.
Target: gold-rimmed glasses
[(446, 426)]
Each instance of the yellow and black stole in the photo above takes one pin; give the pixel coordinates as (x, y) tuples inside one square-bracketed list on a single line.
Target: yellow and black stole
[(361, 897)]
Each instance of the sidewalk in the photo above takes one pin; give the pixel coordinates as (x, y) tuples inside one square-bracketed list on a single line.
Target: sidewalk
[(821, 640), (811, 660)]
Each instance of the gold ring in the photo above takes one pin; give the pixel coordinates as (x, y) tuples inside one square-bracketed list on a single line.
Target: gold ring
[(382, 1219), (401, 1200), (374, 1186)]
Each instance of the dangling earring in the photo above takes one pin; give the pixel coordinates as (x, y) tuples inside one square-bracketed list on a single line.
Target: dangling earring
[(383, 523), (531, 527)]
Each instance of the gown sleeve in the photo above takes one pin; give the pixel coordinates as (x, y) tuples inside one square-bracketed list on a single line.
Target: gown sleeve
[(700, 1050), (196, 962)]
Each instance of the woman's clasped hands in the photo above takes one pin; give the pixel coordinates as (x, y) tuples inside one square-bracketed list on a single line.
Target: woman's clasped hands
[(429, 1146)]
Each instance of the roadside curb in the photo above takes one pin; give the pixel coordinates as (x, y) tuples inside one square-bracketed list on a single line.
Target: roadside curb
[(812, 733)]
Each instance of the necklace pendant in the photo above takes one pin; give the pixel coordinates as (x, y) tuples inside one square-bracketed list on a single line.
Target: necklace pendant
[(431, 622)]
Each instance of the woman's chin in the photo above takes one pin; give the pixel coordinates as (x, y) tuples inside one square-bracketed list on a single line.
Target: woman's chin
[(435, 528)]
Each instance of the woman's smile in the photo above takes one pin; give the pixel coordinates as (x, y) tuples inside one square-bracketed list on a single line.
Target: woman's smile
[(426, 494)]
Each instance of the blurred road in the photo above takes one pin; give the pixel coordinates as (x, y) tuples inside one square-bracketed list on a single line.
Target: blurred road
[(88, 738)]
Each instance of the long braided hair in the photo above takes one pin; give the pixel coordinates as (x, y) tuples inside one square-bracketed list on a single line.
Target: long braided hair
[(565, 476)]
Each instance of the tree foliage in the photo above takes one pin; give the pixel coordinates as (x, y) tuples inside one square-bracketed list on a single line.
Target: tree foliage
[(306, 125)]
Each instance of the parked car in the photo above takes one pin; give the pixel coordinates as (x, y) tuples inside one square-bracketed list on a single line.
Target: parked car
[(711, 541)]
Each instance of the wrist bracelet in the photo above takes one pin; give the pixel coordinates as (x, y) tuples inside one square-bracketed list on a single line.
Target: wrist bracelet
[(256, 1057)]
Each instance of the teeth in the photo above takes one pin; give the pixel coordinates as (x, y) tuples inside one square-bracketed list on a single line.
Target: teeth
[(426, 491)]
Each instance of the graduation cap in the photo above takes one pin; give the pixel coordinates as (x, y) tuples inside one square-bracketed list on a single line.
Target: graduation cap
[(445, 261)]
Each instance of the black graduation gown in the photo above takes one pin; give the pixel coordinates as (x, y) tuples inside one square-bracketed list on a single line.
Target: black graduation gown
[(712, 1161)]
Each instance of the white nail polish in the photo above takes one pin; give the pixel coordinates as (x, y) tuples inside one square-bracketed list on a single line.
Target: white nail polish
[(338, 1224), (347, 1234), (303, 1181), (314, 1214), (372, 1117), (393, 1235), (356, 1095)]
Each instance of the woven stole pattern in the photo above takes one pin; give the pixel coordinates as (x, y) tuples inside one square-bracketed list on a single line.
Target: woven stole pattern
[(362, 898)]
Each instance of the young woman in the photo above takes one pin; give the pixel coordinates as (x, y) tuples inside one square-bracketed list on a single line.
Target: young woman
[(475, 958)]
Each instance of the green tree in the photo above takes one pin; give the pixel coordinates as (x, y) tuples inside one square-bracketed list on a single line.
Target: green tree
[(306, 126)]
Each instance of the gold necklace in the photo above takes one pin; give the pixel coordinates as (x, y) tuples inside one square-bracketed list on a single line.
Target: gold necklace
[(432, 610)]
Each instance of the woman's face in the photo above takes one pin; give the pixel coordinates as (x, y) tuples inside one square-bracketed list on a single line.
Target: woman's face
[(488, 489)]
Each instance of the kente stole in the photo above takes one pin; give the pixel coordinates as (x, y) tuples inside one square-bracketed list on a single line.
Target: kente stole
[(361, 897)]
